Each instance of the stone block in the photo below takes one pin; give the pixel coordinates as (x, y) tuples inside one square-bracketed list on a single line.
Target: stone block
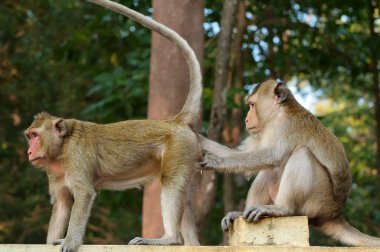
[(281, 231)]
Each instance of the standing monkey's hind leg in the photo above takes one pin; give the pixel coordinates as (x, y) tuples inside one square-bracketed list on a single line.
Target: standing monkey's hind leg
[(172, 211), (175, 171)]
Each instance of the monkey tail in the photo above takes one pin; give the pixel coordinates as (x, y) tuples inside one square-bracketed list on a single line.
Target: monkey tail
[(191, 109), (342, 231)]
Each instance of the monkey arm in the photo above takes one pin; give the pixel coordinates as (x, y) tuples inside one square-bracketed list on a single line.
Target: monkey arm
[(242, 162), (215, 148), (62, 202)]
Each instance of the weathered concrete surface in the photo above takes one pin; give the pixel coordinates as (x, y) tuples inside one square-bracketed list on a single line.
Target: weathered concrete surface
[(288, 231), (124, 248)]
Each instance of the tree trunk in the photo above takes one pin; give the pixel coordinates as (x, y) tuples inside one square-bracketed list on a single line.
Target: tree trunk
[(205, 196), (238, 65), (218, 111), (231, 134), (169, 83)]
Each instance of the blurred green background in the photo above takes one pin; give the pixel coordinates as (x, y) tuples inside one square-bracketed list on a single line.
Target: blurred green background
[(76, 60)]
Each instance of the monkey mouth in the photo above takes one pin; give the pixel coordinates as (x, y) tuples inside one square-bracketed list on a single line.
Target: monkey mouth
[(35, 159), (254, 129)]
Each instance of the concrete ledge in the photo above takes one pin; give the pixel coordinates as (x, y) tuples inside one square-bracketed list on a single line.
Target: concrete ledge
[(283, 231), (125, 248)]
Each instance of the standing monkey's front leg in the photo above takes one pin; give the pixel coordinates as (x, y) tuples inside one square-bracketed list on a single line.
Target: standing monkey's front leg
[(83, 199), (62, 203)]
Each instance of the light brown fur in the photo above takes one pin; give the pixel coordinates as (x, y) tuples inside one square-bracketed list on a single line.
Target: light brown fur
[(302, 167), (80, 157)]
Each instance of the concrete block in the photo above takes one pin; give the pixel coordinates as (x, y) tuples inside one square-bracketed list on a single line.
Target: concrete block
[(282, 231)]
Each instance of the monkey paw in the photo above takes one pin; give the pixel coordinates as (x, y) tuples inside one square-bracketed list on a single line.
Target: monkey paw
[(138, 241), (253, 214), (210, 162), (162, 241), (67, 246), (229, 219)]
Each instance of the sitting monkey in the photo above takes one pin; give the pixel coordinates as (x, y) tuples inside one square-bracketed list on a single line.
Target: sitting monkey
[(302, 167)]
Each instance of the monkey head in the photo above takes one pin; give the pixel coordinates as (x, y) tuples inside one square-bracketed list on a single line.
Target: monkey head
[(45, 137), (264, 104)]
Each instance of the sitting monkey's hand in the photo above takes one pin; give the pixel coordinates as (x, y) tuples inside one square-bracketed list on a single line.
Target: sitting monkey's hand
[(67, 245), (211, 162)]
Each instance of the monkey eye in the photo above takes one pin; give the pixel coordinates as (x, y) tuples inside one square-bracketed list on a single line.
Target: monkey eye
[(31, 135), (251, 105)]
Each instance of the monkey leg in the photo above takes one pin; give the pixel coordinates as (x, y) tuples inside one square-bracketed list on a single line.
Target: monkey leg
[(264, 188), (188, 227), (172, 205), (83, 199), (176, 167), (295, 187), (62, 203), (262, 191)]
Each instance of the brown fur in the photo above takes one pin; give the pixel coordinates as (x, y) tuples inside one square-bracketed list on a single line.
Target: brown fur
[(80, 157), (302, 167)]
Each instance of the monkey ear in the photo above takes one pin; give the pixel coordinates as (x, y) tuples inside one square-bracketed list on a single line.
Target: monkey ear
[(60, 127), (281, 92)]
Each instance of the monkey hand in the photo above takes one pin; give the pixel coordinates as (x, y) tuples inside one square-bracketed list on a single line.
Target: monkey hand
[(67, 245), (210, 162)]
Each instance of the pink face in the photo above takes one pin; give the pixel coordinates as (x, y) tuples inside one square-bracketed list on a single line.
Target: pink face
[(34, 146)]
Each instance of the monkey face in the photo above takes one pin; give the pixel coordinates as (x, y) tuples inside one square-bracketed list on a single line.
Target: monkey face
[(35, 155), (252, 121), (264, 104), (44, 138)]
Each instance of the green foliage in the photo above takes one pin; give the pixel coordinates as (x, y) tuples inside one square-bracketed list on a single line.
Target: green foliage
[(121, 95), (74, 59), (53, 54)]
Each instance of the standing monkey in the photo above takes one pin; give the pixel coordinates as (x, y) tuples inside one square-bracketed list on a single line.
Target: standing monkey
[(80, 157), (302, 167)]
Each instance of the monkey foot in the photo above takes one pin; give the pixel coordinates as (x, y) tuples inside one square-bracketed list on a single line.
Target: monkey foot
[(229, 219), (66, 245), (253, 214), (142, 241)]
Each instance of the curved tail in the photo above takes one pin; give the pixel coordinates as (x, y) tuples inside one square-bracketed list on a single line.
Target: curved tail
[(191, 109), (342, 231)]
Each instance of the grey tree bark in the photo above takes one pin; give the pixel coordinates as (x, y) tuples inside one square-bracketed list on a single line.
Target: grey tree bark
[(232, 132), (205, 196)]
